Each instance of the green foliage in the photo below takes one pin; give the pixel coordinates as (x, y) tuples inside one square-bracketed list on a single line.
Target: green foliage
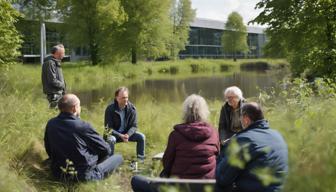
[(303, 30), (265, 175), (171, 70), (10, 39), (305, 115), (238, 155), (234, 38), (146, 32), (196, 68), (181, 15), (38, 10), (89, 23)]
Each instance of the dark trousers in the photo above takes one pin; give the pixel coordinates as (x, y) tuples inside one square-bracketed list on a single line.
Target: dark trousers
[(53, 99), (137, 137), (141, 184)]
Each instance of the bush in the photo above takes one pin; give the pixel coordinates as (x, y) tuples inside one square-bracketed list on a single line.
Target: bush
[(196, 68), (224, 68), (259, 65), (305, 113)]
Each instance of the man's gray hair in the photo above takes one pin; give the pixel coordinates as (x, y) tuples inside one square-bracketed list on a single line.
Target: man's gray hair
[(55, 48), (68, 101), (195, 109), (234, 90)]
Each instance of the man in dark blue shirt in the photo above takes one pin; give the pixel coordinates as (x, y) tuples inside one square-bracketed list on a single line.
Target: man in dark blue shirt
[(69, 139), (255, 159)]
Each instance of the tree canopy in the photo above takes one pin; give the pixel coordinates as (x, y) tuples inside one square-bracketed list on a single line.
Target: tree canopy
[(182, 15), (304, 30), (89, 23), (234, 38), (10, 39)]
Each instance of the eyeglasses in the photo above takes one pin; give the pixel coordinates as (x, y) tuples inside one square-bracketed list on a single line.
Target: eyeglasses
[(231, 97)]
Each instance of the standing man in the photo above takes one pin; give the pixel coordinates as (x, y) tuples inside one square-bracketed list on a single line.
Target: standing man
[(121, 117), (68, 138), (52, 76), (255, 159)]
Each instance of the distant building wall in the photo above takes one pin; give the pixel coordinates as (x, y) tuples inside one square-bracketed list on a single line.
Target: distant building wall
[(205, 41)]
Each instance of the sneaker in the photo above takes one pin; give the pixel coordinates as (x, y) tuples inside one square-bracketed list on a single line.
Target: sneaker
[(141, 158)]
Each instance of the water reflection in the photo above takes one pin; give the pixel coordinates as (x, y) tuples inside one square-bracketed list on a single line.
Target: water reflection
[(175, 90)]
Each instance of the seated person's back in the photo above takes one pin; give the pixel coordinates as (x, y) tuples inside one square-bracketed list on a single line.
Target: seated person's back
[(193, 145), (261, 151), (67, 137)]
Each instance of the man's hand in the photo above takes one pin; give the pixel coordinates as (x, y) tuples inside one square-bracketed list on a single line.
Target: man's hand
[(124, 137)]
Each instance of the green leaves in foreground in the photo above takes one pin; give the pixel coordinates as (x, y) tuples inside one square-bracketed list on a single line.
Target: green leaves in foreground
[(238, 155)]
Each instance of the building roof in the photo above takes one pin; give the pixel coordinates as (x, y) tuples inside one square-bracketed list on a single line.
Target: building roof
[(215, 24)]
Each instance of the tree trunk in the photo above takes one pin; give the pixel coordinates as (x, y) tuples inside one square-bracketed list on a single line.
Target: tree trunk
[(94, 54), (234, 57), (134, 55)]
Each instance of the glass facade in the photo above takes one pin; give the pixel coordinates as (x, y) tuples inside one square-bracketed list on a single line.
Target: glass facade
[(205, 42)]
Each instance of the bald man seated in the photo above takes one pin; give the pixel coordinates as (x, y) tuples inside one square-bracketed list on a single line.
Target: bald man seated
[(68, 138)]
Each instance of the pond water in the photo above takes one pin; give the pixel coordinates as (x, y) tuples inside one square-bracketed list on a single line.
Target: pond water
[(176, 90)]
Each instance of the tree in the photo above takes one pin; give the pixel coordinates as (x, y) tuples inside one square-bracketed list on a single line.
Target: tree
[(10, 39), (181, 15), (234, 38), (90, 23), (306, 29), (146, 32), (37, 10)]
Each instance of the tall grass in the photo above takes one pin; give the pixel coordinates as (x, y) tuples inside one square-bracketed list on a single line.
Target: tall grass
[(305, 113)]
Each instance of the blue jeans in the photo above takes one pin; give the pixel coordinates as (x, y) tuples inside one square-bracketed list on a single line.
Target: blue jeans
[(136, 137), (103, 169)]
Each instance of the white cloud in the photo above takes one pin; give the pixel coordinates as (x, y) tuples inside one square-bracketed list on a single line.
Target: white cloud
[(220, 9)]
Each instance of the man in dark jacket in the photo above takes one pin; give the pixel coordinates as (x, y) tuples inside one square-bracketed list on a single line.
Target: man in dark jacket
[(255, 159), (71, 142), (121, 119), (52, 76)]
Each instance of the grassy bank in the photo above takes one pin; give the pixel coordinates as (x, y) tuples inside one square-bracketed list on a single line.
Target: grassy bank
[(304, 115)]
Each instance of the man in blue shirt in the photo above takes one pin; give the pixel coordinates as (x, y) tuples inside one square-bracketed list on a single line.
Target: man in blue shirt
[(121, 118), (250, 156), (69, 139)]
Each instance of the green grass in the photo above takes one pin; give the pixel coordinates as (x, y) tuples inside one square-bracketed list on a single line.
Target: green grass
[(307, 122)]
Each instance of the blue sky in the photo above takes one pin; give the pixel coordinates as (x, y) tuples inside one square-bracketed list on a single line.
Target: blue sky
[(220, 9)]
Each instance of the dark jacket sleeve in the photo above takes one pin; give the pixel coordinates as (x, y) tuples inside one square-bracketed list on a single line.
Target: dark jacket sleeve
[(169, 155), (221, 125), (226, 172), (133, 123), (108, 120), (108, 117), (46, 142), (95, 142), (51, 71)]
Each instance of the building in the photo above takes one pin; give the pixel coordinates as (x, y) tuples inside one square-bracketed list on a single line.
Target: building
[(205, 40)]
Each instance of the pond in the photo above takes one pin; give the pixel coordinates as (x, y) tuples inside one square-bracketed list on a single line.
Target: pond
[(175, 90)]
